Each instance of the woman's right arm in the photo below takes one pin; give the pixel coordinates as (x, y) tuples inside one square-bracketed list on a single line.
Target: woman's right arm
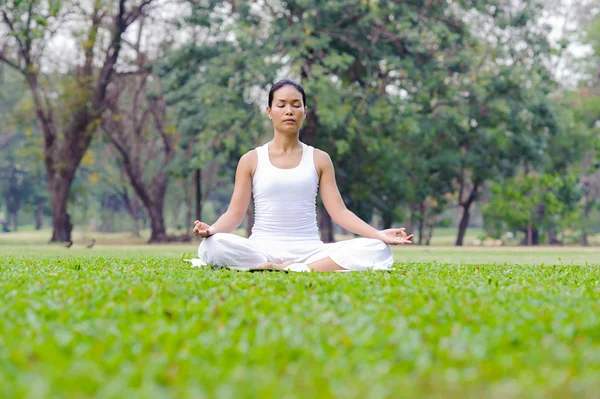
[(238, 206)]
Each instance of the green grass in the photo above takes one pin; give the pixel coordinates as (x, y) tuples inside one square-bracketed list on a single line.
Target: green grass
[(138, 322), (457, 255), (27, 235)]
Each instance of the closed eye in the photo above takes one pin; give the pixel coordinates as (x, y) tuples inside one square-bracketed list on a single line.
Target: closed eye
[(296, 105)]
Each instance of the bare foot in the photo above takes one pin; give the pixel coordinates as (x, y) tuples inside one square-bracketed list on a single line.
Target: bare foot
[(274, 266)]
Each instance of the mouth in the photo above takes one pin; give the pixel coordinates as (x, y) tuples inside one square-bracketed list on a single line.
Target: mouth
[(289, 121)]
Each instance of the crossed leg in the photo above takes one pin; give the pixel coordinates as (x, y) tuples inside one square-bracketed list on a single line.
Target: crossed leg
[(229, 250), (356, 254)]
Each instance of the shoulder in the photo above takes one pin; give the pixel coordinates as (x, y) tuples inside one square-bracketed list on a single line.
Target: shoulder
[(322, 162), (249, 161), (321, 157)]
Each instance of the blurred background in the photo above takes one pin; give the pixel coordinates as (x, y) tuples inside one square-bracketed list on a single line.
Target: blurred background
[(470, 122)]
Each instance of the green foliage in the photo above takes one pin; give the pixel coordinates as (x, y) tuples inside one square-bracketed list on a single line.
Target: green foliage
[(212, 88), (22, 175), (535, 201), (152, 326), (416, 102)]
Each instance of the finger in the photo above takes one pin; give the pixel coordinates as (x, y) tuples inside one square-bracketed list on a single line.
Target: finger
[(401, 231), (409, 237), (205, 232)]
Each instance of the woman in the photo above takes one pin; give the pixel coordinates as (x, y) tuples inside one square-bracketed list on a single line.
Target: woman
[(283, 176)]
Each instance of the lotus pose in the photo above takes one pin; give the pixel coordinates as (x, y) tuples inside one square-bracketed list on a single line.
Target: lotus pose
[(283, 177)]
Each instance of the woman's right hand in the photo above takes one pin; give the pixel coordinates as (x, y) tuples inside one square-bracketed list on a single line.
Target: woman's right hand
[(202, 229)]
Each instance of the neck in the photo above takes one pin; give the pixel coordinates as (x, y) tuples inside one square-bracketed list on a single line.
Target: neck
[(285, 142)]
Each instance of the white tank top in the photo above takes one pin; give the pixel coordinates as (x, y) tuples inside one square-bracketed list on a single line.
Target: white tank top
[(285, 199)]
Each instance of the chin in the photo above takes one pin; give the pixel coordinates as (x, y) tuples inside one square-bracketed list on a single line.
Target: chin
[(290, 129)]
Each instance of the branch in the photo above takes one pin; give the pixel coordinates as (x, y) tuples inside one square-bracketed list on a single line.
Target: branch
[(349, 41), (461, 189), (10, 63), (117, 144), (112, 54), (446, 21), (141, 71), (28, 28), (135, 106), (134, 14), (158, 123), (46, 120), (14, 34)]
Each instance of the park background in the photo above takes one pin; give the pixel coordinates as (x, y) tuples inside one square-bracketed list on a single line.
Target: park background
[(473, 123), (468, 122)]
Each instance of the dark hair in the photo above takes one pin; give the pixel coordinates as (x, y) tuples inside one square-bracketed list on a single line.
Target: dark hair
[(286, 82)]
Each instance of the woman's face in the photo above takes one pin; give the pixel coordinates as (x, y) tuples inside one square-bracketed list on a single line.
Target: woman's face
[(287, 110)]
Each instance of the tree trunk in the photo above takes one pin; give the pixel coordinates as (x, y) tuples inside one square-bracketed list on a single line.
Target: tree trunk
[(584, 233), (539, 221), (13, 202), (308, 134), (387, 219), (535, 236), (132, 208), (464, 220), (153, 200), (157, 223), (326, 226), (61, 221), (152, 194), (39, 216), (198, 187), (15, 219), (422, 223), (430, 234), (462, 226), (552, 239), (529, 237)]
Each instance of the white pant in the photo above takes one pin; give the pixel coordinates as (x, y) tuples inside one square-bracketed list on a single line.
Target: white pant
[(229, 250)]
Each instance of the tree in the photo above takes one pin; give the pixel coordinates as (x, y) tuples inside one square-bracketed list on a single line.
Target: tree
[(68, 111), (22, 180), (379, 72), (508, 114), (137, 125), (531, 203), (213, 84)]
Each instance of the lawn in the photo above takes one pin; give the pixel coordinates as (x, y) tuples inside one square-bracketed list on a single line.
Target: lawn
[(136, 321)]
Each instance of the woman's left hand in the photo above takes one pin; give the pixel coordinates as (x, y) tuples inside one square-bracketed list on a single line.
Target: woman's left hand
[(390, 236)]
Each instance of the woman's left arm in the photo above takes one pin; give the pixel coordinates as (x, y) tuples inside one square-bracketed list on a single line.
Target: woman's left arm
[(334, 204)]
